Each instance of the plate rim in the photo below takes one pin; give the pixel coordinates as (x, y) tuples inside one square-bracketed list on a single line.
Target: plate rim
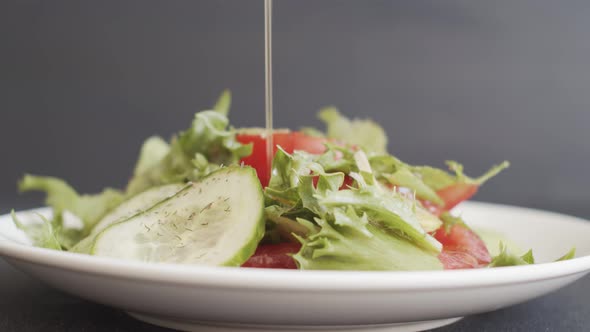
[(297, 280)]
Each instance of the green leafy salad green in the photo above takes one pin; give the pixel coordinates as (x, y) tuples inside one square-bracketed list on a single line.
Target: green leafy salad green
[(333, 199)]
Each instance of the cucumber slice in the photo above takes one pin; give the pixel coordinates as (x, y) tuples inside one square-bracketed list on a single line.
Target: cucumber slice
[(216, 221), (133, 206), (138, 203)]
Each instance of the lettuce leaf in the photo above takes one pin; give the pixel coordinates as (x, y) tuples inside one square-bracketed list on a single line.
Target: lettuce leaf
[(194, 153), (371, 138), (569, 255), (389, 209), (153, 150), (403, 177), (368, 228), (287, 171), (284, 227), (506, 258), (42, 234), (349, 241), (66, 202), (366, 134), (223, 104), (438, 179), (528, 257), (425, 181)]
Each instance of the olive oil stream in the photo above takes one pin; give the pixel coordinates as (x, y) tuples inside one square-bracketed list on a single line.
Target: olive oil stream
[(268, 102)]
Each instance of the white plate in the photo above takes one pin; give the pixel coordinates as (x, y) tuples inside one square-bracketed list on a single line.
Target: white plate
[(227, 299)]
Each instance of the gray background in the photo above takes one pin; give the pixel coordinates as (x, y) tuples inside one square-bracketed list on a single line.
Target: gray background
[(82, 83)]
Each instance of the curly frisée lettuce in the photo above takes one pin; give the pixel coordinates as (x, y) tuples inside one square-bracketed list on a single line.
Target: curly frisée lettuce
[(366, 228), (427, 181), (391, 210), (67, 204), (194, 153), (507, 258), (424, 181), (42, 233), (363, 133), (153, 150), (439, 179), (347, 241)]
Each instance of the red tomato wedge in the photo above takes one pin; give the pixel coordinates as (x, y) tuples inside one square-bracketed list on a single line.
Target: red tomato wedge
[(274, 256), (289, 141), (457, 193), (311, 144), (453, 260), (462, 248), (451, 196)]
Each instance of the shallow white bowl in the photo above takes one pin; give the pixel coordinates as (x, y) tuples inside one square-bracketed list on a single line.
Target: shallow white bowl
[(228, 299)]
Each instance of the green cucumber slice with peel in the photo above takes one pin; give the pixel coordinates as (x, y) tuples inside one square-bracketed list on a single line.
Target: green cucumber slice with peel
[(216, 221), (130, 207)]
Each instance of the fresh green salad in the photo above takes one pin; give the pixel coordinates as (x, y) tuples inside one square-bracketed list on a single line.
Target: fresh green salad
[(332, 200)]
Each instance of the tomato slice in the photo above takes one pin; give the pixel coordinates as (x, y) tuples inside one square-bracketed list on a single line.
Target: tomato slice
[(457, 193), (311, 144), (451, 196), (258, 158), (289, 141), (462, 248), (453, 260), (348, 182), (274, 256)]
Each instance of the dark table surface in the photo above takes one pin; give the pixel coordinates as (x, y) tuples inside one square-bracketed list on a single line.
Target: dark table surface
[(26, 305)]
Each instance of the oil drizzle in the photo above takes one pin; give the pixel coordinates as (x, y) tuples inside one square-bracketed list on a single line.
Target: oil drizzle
[(268, 102)]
